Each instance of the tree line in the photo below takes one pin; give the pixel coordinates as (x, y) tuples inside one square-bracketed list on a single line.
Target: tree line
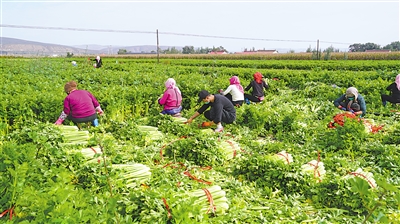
[(394, 46), (185, 50), (356, 47)]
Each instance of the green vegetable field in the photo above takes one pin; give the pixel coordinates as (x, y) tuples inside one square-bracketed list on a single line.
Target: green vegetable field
[(278, 163)]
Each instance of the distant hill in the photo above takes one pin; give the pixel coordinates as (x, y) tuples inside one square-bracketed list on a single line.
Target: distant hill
[(13, 46)]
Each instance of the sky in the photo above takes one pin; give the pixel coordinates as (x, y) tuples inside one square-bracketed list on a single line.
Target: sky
[(235, 25)]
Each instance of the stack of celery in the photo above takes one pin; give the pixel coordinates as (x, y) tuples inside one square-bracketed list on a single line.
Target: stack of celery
[(72, 135), (152, 132), (283, 156), (314, 168), (92, 154), (181, 120), (230, 148), (211, 199), (367, 176), (133, 174)]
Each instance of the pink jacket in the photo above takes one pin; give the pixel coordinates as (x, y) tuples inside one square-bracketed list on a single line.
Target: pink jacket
[(171, 99), (80, 103)]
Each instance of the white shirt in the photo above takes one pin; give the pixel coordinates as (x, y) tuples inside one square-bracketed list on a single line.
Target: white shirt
[(235, 92)]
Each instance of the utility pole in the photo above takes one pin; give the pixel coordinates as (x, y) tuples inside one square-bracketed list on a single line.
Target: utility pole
[(318, 49), (158, 49)]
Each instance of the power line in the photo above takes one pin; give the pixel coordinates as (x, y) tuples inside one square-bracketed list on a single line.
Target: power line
[(74, 29), (166, 33)]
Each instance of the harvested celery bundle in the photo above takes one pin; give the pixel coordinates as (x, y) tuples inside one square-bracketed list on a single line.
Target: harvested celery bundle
[(153, 132), (314, 168), (284, 157), (133, 174), (73, 136), (211, 199), (92, 154), (367, 176), (230, 148), (181, 120)]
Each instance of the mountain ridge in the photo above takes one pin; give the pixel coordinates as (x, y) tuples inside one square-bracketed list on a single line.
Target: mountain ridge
[(14, 46), (18, 47)]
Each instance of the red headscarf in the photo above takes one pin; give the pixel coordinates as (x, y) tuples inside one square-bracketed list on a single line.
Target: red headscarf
[(234, 80), (258, 77)]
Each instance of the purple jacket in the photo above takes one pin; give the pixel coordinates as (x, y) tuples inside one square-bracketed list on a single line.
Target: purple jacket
[(171, 99), (80, 103)]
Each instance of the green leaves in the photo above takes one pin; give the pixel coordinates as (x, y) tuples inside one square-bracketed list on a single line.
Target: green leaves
[(52, 183), (201, 150)]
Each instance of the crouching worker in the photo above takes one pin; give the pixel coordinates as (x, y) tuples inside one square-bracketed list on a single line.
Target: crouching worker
[(98, 63), (352, 102), (171, 99), (394, 88), (257, 85), (80, 106), (234, 92), (221, 110)]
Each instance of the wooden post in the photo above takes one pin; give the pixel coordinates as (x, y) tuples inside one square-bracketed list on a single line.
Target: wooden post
[(158, 49)]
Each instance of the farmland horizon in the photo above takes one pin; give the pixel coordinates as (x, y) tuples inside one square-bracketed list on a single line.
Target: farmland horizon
[(15, 45)]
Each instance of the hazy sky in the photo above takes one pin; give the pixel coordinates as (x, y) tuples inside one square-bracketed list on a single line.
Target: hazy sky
[(297, 24)]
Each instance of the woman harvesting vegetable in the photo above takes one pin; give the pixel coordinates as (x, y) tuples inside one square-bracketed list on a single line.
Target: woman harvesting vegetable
[(80, 106), (352, 102), (394, 88), (171, 99), (234, 92), (98, 63), (257, 85)]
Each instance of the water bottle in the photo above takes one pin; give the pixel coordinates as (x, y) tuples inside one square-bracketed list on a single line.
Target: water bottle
[(247, 101)]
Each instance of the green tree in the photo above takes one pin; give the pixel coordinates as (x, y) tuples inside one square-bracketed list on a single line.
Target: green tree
[(356, 48), (372, 46), (172, 50), (188, 50), (363, 47), (220, 48), (202, 50), (122, 51), (70, 55), (331, 49), (309, 49), (394, 46)]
